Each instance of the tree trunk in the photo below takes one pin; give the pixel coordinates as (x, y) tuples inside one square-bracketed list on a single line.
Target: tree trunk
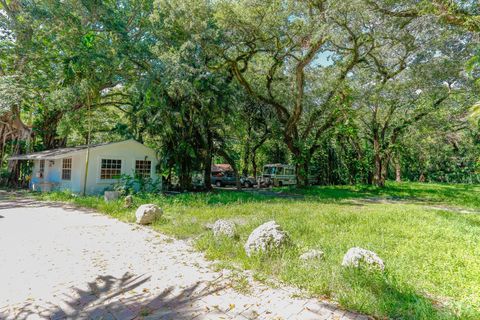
[(185, 176), (421, 178), (378, 176), (384, 173), (14, 165), (306, 169), (398, 170), (302, 174), (14, 169), (237, 177), (246, 153), (370, 177), (48, 131), (298, 175), (331, 167), (300, 165), (168, 181), (246, 158), (254, 152), (254, 164), (207, 178)]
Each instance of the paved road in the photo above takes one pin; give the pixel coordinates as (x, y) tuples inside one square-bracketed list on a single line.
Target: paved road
[(60, 262)]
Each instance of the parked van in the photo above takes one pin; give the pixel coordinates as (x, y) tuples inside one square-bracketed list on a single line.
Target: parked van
[(278, 175)]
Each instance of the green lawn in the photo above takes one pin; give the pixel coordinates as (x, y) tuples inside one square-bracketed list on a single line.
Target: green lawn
[(430, 246)]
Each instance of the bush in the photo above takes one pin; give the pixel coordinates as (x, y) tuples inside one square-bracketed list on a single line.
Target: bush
[(133, 185)]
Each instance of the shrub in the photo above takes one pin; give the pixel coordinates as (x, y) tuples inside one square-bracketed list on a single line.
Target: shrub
[(132, 185)]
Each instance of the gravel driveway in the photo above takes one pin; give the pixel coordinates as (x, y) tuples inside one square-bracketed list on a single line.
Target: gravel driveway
[(61, 262)]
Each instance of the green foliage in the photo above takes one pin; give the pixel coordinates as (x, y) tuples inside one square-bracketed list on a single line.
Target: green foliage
[(11, 92), (310, 83), (127, 184)]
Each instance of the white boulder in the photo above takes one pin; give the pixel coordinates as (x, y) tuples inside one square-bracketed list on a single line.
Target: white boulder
[(268, 236), (358, 257), (147, 213), (224, 228), (111, 196), (128, 201), (312, 255)]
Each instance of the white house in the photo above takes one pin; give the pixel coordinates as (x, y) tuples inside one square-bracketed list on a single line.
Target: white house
[(64, 169)]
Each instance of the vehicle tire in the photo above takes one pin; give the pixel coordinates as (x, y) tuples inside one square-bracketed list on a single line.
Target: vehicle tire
[(218, 183), (247, 184)]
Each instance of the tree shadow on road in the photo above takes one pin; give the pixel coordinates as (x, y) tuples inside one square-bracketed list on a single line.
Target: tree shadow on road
[(25, 202), (108, 297)]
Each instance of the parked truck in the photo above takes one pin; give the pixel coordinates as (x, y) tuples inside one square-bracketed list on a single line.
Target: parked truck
[(228, 178)]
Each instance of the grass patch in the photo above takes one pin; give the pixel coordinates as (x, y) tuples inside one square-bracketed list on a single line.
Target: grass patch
[(431, 255)]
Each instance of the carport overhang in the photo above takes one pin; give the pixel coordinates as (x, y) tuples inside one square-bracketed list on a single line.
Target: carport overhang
[(34, 156)]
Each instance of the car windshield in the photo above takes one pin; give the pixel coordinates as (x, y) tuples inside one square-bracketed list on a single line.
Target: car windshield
[(269, 170)]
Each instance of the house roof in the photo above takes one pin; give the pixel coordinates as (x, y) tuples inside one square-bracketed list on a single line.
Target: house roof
[(221, 167), (58, 153)]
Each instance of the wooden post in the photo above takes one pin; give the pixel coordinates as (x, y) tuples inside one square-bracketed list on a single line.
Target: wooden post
[(87, 158)]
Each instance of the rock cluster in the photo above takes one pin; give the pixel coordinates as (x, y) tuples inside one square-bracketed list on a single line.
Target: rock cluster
[(357, 257), (224, 228), (147, 213), (269, 236)]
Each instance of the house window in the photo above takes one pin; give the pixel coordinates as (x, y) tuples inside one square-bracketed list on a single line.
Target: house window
[(67, 169), (41, 170), (143, 168), (110, 169)]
